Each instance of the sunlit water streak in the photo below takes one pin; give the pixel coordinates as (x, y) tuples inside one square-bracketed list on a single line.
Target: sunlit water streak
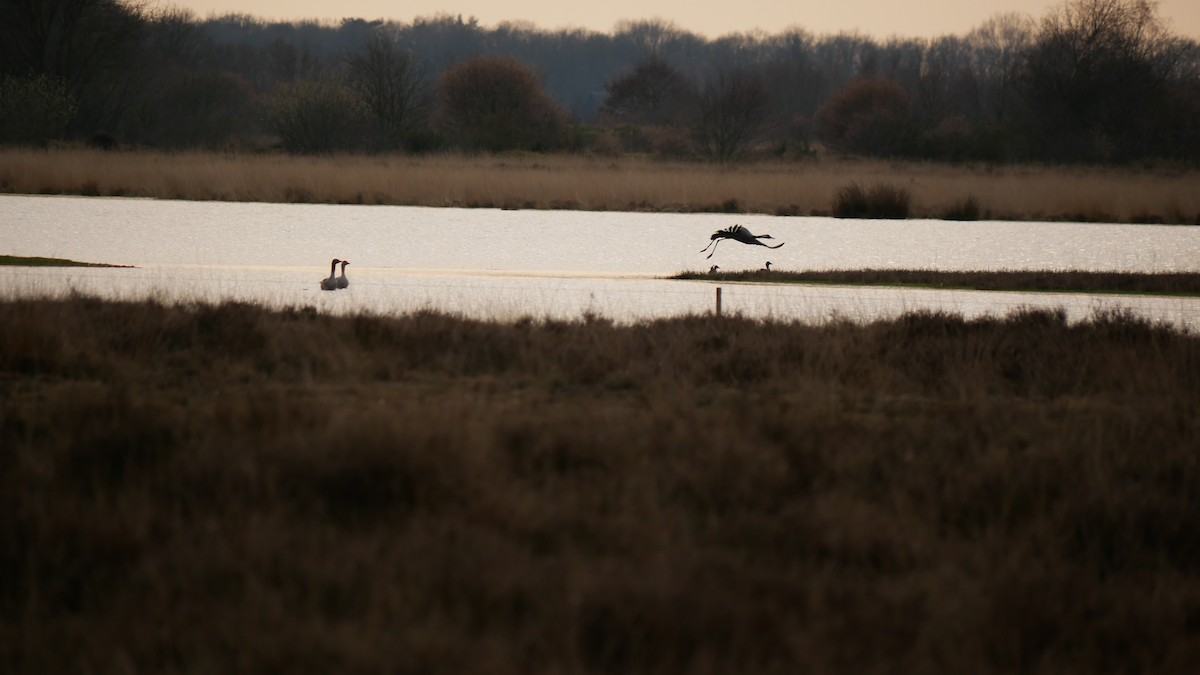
[(506, 264)]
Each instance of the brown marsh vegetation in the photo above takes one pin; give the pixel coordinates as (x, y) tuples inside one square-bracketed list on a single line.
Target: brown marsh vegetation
[(1025, 192), (223, 488), (1156, 283)]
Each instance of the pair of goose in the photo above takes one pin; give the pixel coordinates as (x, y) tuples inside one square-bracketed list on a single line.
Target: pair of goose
[(714, 268), (335, 282)]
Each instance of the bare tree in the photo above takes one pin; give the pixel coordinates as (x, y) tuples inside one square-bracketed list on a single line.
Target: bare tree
[(649, 36), (654, 92), (995, 52), (1097, 75), (731, 112), (497, 103), (89, 45), (869, 116), (175, 36), (392, 84), (33, 110), (316, 116)]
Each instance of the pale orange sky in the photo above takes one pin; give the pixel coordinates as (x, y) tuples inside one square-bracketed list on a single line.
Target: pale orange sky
[(881, 18)]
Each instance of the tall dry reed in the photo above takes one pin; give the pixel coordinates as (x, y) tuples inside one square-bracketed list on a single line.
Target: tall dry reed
[(224, 488), (621, 184)]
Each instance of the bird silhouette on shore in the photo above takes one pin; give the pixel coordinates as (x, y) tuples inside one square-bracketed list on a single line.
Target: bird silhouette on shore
[(713, 269), (331, 283), (737, 233), (768, 266), (342, 281)]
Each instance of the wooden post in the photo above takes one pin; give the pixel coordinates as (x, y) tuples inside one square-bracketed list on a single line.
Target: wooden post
[(718, 301)]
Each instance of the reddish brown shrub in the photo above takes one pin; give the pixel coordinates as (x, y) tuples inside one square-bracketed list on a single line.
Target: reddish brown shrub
[(497, 103), (868, 116)]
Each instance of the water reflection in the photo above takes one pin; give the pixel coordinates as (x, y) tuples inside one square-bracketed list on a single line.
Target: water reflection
[(501, 264)]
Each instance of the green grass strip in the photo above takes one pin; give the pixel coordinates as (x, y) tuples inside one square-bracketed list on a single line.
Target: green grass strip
[(22, 261)]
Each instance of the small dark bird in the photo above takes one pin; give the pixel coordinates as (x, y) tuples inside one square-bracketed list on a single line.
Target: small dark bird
[(736, 233), (768, 267), (713, 269)]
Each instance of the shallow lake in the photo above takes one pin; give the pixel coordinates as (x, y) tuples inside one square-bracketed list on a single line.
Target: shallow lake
[(493, 263)]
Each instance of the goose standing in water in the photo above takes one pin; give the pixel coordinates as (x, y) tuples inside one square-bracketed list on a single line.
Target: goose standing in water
[(736, 233), (330, 284), (342, 281)]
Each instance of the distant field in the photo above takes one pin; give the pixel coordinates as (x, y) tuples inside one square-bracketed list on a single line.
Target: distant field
[(223, 488), (610, 184)]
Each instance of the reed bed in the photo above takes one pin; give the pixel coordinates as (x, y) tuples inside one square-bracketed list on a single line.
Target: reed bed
[(611, 184), (223, 488)]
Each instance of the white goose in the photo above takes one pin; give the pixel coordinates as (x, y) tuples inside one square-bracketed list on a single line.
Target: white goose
[(330, 284), (342, 281)]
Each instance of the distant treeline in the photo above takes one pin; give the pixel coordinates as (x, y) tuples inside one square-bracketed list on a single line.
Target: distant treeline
[(1092, 81)]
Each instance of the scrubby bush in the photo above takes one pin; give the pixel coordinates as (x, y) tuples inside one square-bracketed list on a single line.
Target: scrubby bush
[(966, 209), (317, 116), (606, 144), (34, 110), (869, 117), (732, 111), (951, 139), (392, 84), (1097, 79), (670, 142), (496, 104), (101, 140), (653, 92), (879, 201), (200, 111)]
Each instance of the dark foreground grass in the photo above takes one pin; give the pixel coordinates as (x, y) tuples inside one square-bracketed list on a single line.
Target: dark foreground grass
[(229, 489), (1163, 283)]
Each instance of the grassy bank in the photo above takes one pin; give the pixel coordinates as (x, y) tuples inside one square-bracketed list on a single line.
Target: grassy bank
[(25, 261), (606, 184), (1163, 283), (230, 489)]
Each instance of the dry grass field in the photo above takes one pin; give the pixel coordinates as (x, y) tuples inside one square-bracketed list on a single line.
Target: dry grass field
[(227, 489), (609, 184)]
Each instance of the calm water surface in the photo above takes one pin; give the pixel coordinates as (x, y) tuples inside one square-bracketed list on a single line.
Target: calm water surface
[(494, 263)]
